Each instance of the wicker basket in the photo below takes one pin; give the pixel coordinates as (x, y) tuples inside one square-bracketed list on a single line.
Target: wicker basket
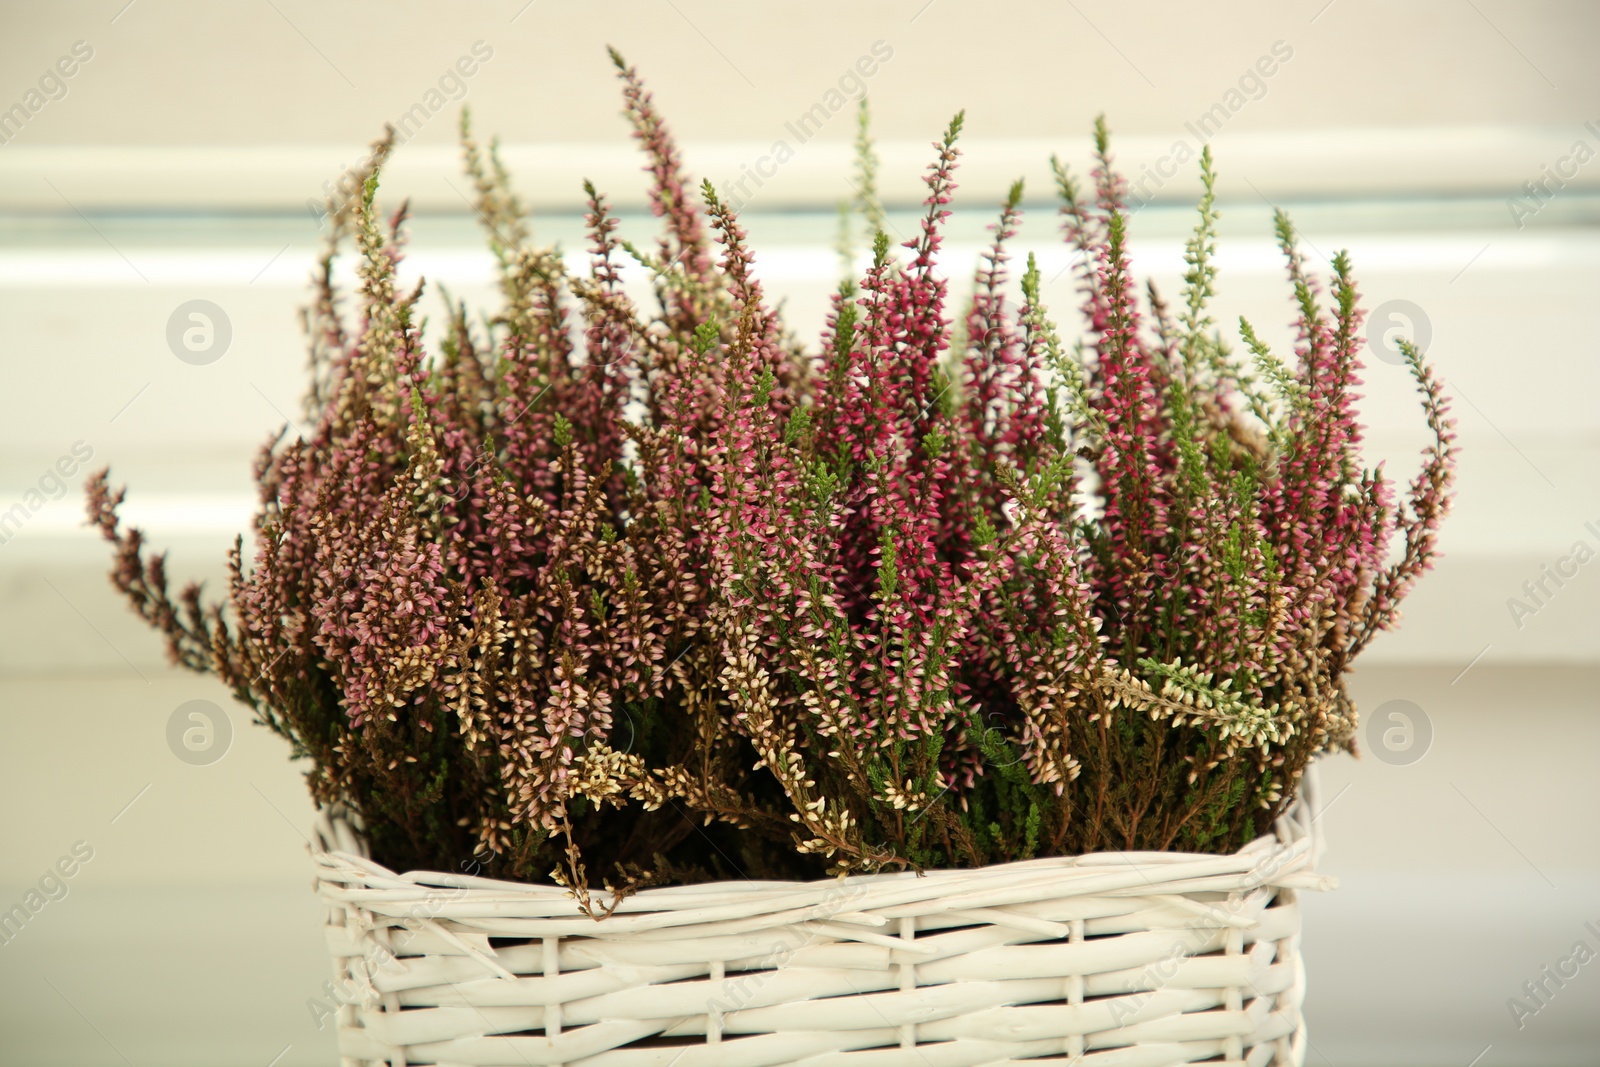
[(1125, 959)]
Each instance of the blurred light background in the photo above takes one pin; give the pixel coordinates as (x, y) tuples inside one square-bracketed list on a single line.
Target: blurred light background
[(1450, 146)]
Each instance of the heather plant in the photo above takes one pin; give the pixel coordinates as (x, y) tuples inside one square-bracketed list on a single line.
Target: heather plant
[(654, 592), (968, 618), (477, 585)]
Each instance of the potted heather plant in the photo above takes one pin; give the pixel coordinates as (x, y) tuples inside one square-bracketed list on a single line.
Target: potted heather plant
[(648, 618)]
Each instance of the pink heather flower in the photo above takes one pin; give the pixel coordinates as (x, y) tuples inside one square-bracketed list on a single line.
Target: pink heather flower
[(602, 580)]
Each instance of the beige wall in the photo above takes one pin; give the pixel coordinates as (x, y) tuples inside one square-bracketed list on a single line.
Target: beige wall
[(1358, 96), (299, 72)]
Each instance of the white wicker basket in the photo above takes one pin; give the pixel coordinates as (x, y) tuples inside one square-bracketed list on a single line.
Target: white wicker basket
[(1124, 959)]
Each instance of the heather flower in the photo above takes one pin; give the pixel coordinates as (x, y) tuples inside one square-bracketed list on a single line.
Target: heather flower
[(475, 584), (652, 591)]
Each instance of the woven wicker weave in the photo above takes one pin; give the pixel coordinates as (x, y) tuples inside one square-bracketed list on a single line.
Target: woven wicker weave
[(1124, 959)]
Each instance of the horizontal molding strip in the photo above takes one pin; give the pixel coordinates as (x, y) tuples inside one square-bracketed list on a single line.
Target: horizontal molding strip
[(1458, 160)]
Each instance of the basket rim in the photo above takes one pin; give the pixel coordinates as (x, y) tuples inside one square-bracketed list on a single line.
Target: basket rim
[(1286, 858)]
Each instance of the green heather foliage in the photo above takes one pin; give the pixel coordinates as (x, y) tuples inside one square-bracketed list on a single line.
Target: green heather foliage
[(659, 593)]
